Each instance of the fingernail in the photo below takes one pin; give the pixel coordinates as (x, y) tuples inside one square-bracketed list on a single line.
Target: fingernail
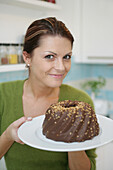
[(22, 143), (29, 118)]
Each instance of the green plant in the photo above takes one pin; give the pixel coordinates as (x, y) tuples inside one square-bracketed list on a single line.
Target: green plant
[(94, 85)]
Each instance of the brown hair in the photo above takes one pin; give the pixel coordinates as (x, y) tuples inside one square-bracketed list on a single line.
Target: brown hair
[(46, 26)]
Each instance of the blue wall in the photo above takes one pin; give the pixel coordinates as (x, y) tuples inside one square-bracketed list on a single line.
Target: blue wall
[(81, 71), (10, 76)]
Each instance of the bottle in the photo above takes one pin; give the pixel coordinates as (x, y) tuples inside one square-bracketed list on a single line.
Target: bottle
[(3, 54), (12, 54), (52, 1), (19, 53)]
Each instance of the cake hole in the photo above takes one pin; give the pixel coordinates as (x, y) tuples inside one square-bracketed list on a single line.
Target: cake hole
[(74, 105)]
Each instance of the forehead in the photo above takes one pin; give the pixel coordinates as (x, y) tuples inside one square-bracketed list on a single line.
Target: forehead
[(56, 44), (54, 41)]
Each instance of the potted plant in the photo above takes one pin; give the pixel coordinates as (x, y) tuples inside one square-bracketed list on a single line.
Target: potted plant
[(101, 105), (94, 86)]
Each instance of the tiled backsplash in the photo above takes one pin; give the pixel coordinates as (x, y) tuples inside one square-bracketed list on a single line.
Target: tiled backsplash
[(78, 74), (10, 76)]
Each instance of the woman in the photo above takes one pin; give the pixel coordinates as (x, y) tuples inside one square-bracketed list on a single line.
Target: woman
[(47, 53)]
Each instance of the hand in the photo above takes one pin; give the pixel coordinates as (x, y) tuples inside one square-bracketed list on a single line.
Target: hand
[(82, 160), (11, 131)]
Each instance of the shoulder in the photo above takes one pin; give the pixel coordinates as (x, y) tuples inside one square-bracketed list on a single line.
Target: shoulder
[(73, 92), (11, 83), (70, 93), (10, 86)]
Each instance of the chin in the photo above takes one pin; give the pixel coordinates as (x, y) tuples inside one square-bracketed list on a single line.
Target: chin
[(56, 84)]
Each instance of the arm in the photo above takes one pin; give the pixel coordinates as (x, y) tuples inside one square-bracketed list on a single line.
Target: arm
[(10, 135), (78, 160)]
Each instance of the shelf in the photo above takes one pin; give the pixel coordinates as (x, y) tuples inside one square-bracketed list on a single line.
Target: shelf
[(109, 62), (94, 60), (12, 67), (35, 4)]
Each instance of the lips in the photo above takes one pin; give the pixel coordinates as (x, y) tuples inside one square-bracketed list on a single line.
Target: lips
[(58, 76)]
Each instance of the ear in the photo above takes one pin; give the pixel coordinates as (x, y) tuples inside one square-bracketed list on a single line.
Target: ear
[(26, 57)]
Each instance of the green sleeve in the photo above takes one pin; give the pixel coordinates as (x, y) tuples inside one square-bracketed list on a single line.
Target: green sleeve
[(92, 155)]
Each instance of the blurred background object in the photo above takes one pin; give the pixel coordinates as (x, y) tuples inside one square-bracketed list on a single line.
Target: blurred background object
[(3, 54), (52, 1), (11, 53), (97, 95), (94, 85)]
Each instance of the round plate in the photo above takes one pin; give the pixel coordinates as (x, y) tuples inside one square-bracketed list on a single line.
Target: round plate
[(31, 134)]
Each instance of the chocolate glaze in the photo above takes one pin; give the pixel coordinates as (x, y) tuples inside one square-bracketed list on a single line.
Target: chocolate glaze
[(70, 121)]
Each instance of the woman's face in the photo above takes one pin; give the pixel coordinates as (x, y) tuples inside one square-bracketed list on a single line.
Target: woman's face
[(51, 61)]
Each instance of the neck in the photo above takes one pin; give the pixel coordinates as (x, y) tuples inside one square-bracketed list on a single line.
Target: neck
[(35, 90)]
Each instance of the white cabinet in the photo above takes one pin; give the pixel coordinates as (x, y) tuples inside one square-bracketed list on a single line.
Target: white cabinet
[(37, 4), (104, 160), (94, 31)]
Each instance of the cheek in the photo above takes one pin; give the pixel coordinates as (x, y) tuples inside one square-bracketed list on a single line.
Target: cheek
[(68, 66)]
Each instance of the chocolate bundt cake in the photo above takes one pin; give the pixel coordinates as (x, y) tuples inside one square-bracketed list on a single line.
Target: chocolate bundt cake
[(70, 121)]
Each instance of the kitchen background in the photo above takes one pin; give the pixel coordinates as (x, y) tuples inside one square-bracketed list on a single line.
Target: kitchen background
[(90, 21)]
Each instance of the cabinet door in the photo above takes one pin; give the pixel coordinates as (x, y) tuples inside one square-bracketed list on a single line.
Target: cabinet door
[(96, 30)]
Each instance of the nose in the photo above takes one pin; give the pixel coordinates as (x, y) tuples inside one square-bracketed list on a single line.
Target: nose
[(59, 64)]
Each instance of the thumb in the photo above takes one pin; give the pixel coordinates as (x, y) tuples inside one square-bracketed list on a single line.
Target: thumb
[(20, 121)]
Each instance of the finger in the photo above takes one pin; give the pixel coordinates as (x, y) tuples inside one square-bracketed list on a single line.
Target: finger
[(22, 143), (20, 121), (29, 118), (19, 141)]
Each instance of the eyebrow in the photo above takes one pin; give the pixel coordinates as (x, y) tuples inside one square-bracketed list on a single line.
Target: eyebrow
[(56, 53), (52, 52)]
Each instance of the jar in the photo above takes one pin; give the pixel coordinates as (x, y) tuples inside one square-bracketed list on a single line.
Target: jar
[(3, 54), (12, 54), (19, 53)]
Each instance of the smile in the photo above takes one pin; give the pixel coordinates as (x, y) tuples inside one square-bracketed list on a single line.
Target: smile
[(57, 75)]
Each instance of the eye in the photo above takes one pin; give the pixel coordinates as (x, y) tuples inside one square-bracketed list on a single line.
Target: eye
[(67, 57), (49, 56)]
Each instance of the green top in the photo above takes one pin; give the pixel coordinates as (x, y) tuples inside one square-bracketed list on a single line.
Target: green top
[(24, 157)]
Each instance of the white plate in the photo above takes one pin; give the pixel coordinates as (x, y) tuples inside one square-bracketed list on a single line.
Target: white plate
[(31, 134)]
